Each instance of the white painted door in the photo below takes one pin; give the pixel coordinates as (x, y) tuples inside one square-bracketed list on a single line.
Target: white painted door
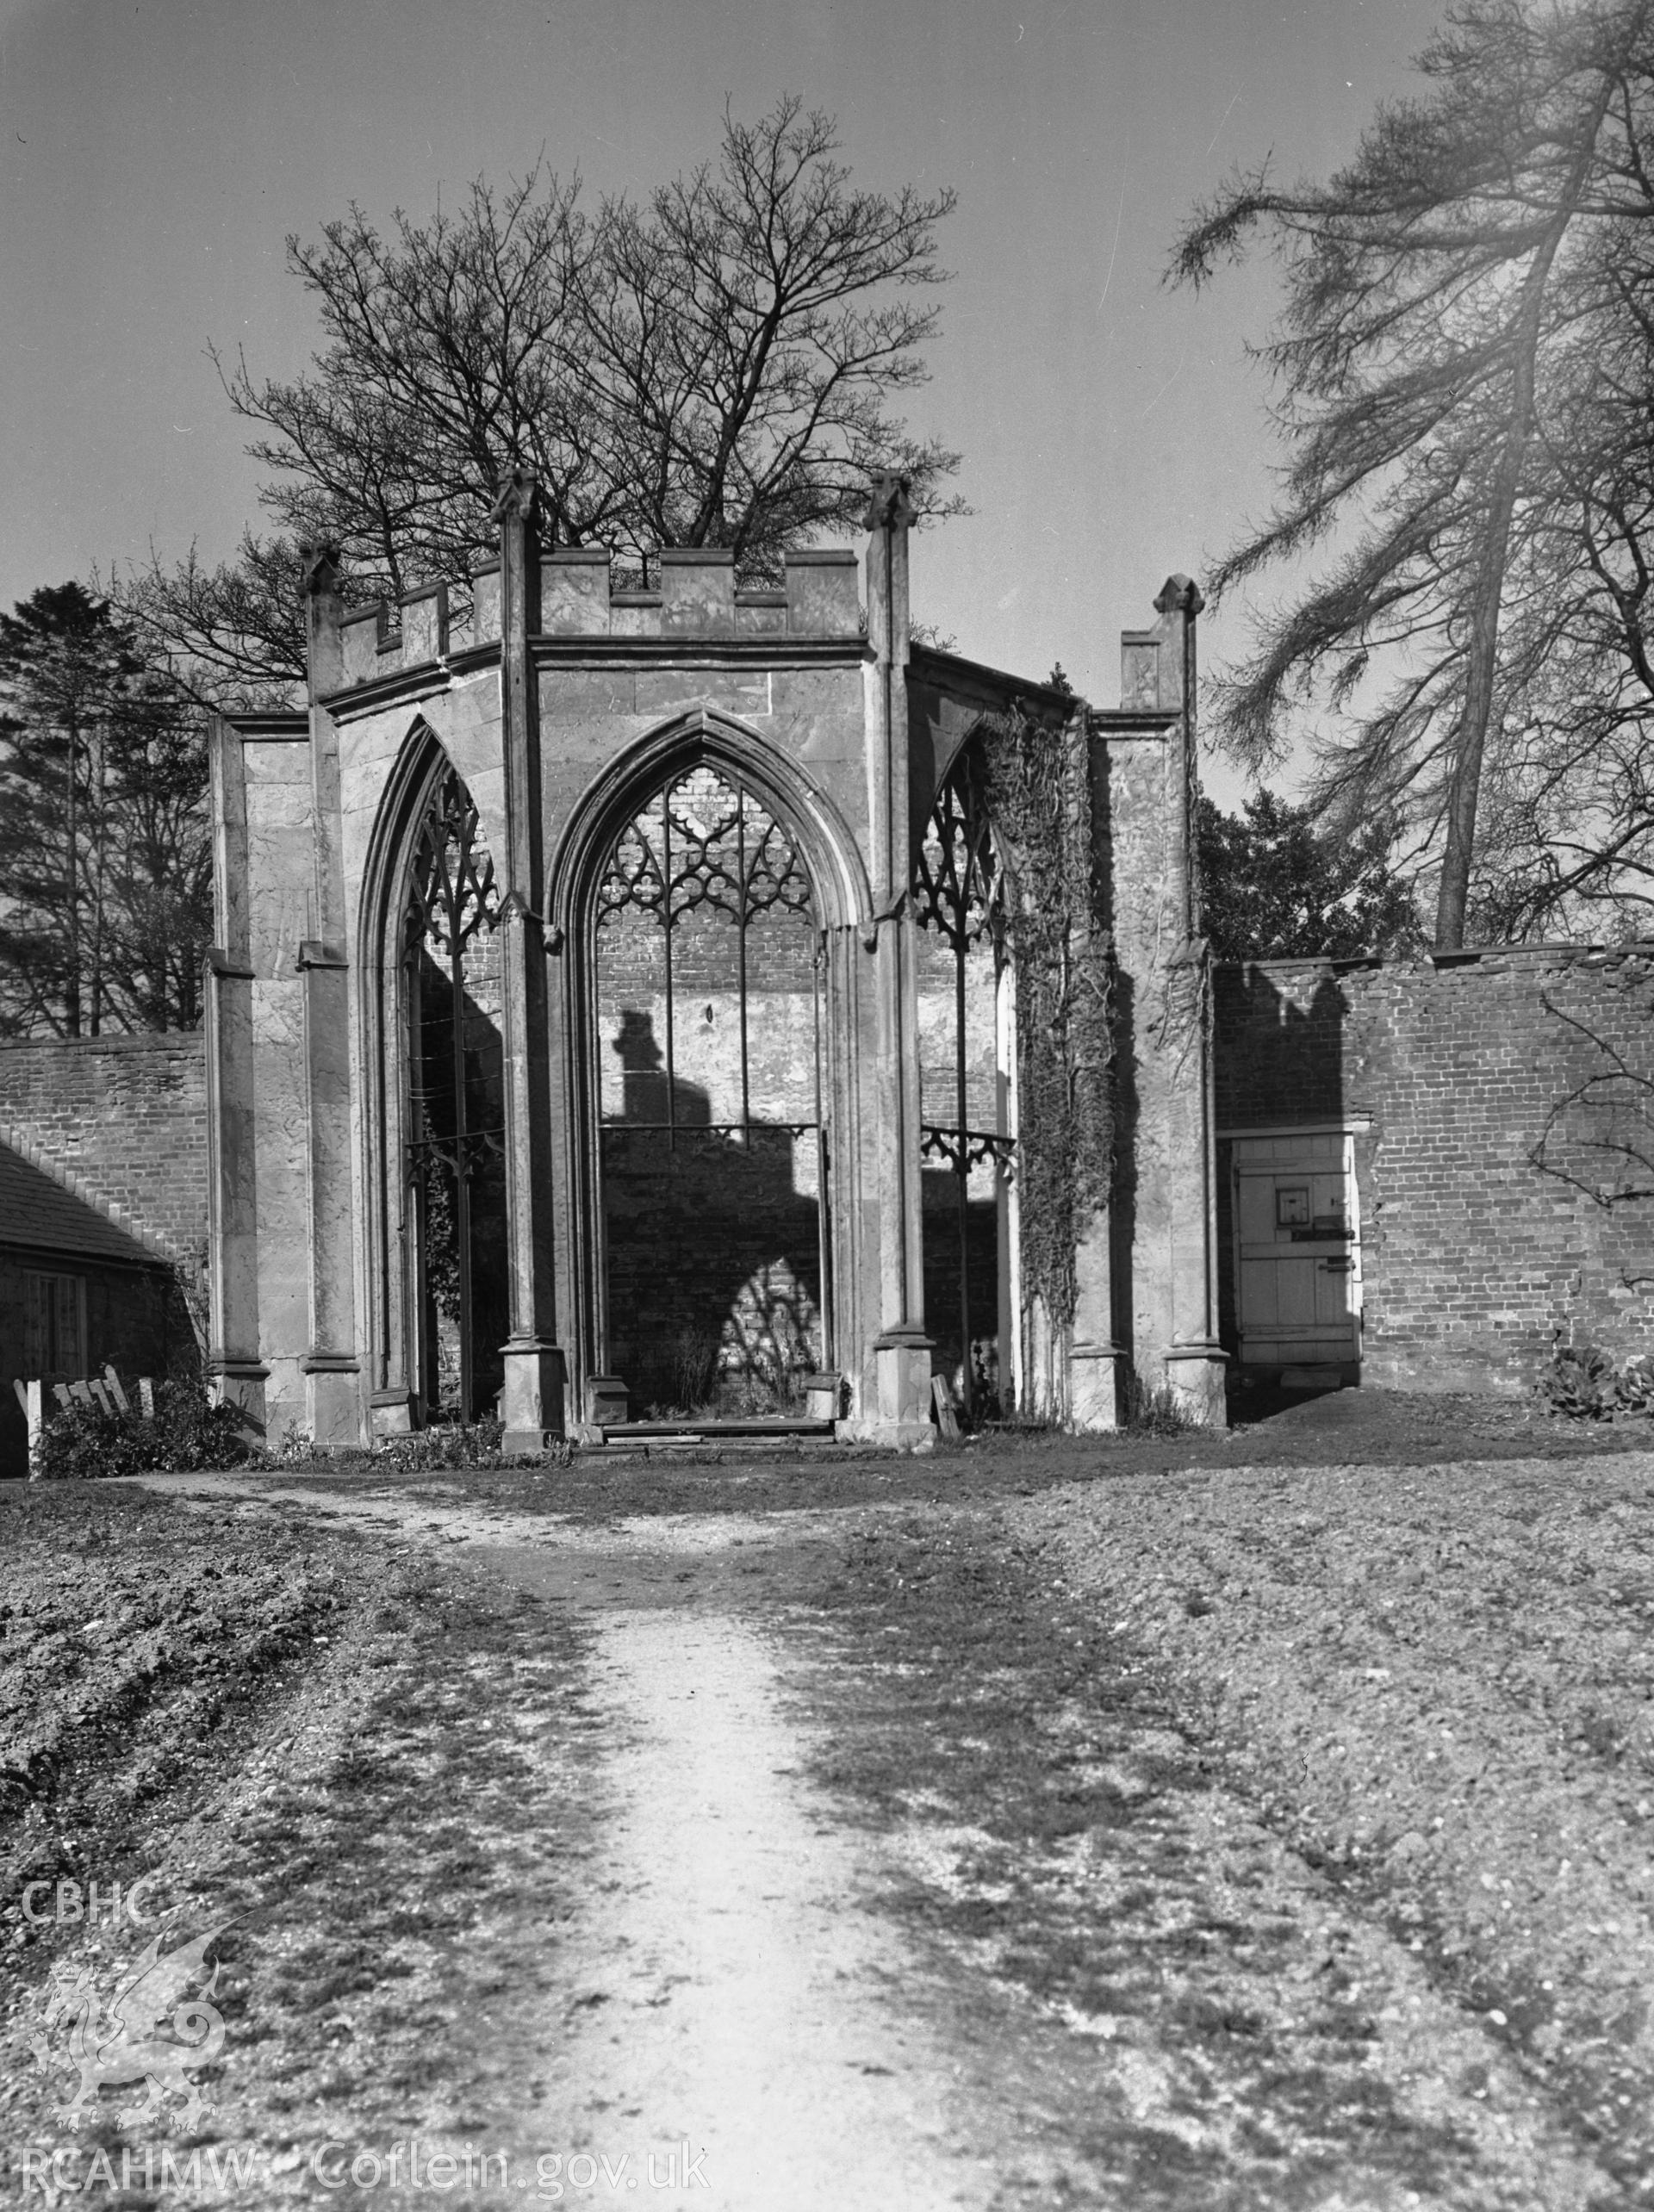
[(1298, 1256)]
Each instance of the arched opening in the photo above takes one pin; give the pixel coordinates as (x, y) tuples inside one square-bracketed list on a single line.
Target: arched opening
[(451, 1102), (967, 1095), (707, 970)]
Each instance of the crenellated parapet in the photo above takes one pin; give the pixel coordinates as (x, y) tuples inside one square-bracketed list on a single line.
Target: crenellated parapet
[(694, 597), (382, 640)]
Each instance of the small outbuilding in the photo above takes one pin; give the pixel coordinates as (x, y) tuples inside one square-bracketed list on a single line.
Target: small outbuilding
[(77, 1292)]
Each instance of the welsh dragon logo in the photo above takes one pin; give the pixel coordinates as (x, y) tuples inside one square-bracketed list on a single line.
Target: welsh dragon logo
[(123, 2041)]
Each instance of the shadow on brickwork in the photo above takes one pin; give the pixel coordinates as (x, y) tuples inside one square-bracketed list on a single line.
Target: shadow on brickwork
[(714, 1255)]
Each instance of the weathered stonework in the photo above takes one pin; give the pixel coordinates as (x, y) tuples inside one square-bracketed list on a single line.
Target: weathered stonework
[(561, 705)]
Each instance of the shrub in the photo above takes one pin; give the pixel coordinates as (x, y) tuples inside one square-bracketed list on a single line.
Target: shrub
[(190, 1432), (422, 1452), (434, 1449), (1583, 1384), (1153, 1413)]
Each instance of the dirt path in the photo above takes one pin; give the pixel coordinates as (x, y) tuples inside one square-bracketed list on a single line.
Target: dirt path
[(731, 1991), (735, 2013)]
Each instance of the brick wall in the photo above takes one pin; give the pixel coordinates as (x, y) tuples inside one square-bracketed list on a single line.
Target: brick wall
[(1508, 1105), (123, 1119), (714, 1242)]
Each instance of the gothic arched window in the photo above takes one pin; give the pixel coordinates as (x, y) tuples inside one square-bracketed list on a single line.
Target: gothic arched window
[(454, 1157), (706, 943), (966, 1079)]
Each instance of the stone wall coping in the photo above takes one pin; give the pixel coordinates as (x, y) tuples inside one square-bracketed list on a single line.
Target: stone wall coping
[(774, 650), (282, 724), (953, 671), (69, 1179), (1132, 721), (120, 1041), (1545, 954), (1346, 1125)]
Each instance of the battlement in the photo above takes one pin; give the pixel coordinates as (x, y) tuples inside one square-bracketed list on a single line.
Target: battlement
[(696, 597)]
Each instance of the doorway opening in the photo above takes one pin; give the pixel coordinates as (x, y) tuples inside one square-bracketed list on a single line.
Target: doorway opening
[(1298, 1253), (709, 968)]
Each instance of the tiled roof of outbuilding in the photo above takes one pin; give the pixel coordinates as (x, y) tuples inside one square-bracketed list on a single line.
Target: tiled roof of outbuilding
[(40, 1216)]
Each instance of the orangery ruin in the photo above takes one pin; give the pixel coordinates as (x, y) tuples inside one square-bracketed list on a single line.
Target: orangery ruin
[(635, 1002)]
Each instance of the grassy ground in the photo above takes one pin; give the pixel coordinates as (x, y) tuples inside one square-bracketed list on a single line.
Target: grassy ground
[(1301, 1778), (363, 1764), (1318, 1796)]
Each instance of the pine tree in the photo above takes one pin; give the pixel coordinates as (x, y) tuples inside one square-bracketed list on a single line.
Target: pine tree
[(1463, 363), (105, 885), (1273, 887)]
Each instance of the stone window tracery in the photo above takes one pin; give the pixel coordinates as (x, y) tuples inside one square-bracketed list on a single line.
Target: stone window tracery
[(959, 897), (453, 1160), (713, 1152), (703, 848)]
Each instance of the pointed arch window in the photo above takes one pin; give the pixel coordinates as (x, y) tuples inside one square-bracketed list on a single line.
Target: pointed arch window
[(704, 851), (966, 1080), (713, 1153), (454, 1155)]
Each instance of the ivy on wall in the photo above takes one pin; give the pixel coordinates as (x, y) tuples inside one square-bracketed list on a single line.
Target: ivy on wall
[(1035, 774)]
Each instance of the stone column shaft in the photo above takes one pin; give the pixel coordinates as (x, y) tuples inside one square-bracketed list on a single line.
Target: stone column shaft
[(236, 1372), (331, 1365), (1195, 1361), (534, 1388), (902, 1348)]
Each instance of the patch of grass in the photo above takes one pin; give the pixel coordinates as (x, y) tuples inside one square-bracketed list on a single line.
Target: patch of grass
[(1072, 1821), (1437, 1686), (386, 1823)]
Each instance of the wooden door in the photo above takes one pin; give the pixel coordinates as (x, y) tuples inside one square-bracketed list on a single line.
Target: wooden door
[(1298, 1256)]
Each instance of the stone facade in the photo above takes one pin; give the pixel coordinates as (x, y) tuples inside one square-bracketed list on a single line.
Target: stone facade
[(1496, 1107), (548, 726)]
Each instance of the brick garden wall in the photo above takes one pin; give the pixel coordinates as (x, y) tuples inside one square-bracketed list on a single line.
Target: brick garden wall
[(123, 1119), (1506, 1177)]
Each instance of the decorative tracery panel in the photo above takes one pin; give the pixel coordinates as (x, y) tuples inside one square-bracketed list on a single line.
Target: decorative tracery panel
[(707, 971), (959, 894), (454, 1158)]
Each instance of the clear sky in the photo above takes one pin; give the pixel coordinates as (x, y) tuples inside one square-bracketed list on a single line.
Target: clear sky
[(156, 153)]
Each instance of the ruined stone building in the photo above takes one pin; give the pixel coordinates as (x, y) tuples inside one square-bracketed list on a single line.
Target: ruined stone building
[(671, 998), (699, 1001)]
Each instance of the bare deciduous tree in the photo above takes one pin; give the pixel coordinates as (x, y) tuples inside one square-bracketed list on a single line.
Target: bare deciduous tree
[(713, 366)]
